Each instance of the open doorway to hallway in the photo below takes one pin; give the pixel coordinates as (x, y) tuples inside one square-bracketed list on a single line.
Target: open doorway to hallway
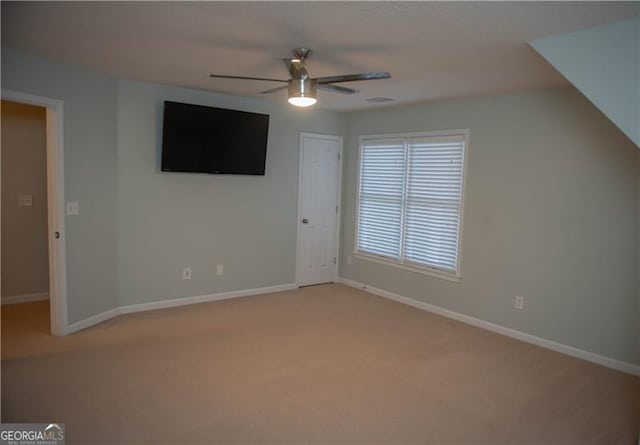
[(25, 251)]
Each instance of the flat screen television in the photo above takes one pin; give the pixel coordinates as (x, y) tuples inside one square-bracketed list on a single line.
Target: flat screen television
[(199, 139)]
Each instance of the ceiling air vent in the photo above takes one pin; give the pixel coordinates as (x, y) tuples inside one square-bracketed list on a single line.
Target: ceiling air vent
[(377, 100)]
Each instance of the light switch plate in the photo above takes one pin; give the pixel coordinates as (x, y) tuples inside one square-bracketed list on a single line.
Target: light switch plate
[(219, 269), (519, 302), (73, 208)]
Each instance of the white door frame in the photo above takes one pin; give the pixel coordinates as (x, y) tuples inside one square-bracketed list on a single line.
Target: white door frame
[(329, 137), (55, 205)]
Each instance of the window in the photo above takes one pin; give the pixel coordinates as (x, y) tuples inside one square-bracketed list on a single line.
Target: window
[(410, 201)]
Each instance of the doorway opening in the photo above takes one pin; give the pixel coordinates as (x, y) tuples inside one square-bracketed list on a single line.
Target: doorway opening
[(33, 254)]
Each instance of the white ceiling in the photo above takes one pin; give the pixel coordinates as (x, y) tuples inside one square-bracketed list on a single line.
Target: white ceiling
[(434, 50)]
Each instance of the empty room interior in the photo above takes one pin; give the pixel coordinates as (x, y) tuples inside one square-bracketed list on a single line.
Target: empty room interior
[(321, 222)]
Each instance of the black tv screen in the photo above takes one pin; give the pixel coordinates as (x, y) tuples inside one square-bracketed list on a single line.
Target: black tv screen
[(199, 139)]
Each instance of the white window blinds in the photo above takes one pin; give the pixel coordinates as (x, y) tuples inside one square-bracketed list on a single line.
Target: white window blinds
[(410, 200), (382, 177)]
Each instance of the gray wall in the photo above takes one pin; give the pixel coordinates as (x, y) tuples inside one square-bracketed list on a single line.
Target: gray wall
[(25, 265), (551, 213), (90, 101), (167, 221)]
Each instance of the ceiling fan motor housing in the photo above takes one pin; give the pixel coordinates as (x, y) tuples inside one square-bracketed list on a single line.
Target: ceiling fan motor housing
[(303, 87)]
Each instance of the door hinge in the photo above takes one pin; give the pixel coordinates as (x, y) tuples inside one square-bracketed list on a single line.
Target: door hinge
[(338, 156), (336, 209), (334, 260)]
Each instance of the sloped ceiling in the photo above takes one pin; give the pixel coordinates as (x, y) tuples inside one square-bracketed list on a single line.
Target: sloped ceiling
[(604, 64)]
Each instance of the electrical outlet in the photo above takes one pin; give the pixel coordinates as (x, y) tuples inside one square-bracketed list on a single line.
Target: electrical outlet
[(519, 302), (219, 269), (186, 273)]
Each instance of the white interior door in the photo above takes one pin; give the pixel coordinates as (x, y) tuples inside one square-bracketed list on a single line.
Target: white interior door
[(318, 208)]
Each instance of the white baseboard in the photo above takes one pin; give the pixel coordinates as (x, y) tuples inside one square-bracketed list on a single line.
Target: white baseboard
[(619, 365), (25, 298), (93, 320), (165, 304)]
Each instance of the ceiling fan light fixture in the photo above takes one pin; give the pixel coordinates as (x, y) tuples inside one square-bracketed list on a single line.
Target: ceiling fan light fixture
[(302, 92), (302, 101)]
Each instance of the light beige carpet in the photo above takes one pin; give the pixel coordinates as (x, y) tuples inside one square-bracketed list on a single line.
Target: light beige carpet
[(325, 364)]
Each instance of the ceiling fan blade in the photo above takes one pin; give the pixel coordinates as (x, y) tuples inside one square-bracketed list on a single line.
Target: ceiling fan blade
[(222, 76), (353, 77), (273, 90), (337, 89)]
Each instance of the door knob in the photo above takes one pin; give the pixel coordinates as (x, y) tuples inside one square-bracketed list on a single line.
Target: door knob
[(305, 221)]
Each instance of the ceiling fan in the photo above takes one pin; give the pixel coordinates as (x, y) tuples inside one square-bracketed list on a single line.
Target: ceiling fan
[(303, 88)]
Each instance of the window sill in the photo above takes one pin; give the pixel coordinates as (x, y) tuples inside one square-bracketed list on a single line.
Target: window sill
[(410, 267)]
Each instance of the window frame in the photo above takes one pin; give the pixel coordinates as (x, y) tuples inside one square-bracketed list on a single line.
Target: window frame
[(402, 263)]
